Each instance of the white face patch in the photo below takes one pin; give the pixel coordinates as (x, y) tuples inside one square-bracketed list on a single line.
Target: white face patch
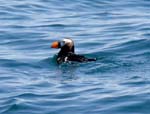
[(69, 43), (67, 40)]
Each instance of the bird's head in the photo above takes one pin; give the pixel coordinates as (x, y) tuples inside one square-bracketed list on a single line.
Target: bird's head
[(66, 45)]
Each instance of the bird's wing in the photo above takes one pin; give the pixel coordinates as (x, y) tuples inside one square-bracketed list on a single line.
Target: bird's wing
[(78, 58)]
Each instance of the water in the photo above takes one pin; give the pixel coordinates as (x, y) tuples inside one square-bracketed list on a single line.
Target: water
[(116, 32)]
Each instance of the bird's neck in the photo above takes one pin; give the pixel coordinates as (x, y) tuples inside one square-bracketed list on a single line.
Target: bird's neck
[(65, 50)]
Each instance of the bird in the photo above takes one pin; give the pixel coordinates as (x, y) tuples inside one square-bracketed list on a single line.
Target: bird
[(67, 52)]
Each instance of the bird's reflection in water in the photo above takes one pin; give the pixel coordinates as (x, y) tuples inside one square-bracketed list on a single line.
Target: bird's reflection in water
[(67, 72)]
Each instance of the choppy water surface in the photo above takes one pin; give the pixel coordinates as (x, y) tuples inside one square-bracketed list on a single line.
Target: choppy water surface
[(114, 31)]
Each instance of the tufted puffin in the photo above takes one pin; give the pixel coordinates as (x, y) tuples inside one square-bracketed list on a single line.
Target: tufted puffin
[(67, 52)]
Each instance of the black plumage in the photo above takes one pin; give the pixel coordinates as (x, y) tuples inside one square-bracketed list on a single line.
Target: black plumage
[(67, 52)]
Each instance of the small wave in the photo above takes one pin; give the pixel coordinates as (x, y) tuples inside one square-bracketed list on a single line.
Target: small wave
[(115, 32), (17, 64)]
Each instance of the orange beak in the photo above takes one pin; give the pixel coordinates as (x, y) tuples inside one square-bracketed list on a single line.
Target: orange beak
[(55, 44)]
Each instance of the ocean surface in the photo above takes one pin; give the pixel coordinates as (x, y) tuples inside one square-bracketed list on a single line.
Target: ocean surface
[(116, 32)]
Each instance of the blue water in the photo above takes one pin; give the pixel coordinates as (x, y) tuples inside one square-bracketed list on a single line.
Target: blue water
[(116, 32)]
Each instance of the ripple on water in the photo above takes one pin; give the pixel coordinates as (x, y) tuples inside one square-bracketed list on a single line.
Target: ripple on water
[(112, 31)]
